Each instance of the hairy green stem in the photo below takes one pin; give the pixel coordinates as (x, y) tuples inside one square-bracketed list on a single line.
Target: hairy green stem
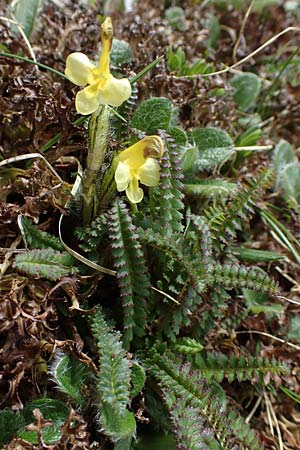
[(98, 132)]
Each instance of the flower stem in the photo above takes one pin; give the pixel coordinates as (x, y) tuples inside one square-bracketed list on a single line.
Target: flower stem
[(98, 133), (31, 61)]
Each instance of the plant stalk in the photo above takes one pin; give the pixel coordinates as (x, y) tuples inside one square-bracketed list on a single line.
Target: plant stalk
[(98, 133)]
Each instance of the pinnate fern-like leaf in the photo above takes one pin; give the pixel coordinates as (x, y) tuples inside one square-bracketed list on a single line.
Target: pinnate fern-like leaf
[(189, 427), (219, 366), (184, 386), (224, 221), (173, 246), (188, 346), (36, 238), (169, 195), (132, 274), (232, 276), (113, 380), (45, 263)]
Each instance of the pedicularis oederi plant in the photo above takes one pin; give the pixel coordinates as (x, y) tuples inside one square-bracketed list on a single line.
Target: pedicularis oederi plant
[(153, 269)]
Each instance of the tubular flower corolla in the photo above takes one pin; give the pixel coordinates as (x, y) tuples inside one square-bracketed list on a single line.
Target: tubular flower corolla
[(102, 87), (138, 163)]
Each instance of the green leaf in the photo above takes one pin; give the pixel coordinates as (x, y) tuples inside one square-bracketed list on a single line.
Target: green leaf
[(71, 376), (290, 181), (255, 255), (45, 263), (292, 6), (294, 328), (188, 346), (246, 88), (179, 135), (283, 155), (117, 425), (290, 394), (212, 24), (123, 444), (53, 410), (210, 188), (199, 67), (249, 137), (152, 115), (258, 302), (176, 18), (121, 52), (25, 12), (258, 6), (190, 160), (113, 381), (215, 147), (176, 60), (36, 238), (138, 378), (10, 422)]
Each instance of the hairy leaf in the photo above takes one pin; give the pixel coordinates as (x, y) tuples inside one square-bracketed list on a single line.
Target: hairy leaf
[(52, 410), (71, 377), (45, 263), (246, 88), (152, 115), (25, 12), (215, 146)]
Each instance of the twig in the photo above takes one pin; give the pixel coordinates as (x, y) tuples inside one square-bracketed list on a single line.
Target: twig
[(165, 295), (16, 23), (254, 148), (242, 61), (271, 416), (262, 333), (288, 300), (5, 265), (236, 45), (31, 156), (257, 403)]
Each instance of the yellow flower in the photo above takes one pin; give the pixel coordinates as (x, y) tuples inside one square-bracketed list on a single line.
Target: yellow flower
[(103, 88), (137, 164)]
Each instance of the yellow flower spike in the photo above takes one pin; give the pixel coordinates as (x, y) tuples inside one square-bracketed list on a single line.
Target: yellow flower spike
[(103, 88), (137, 164)]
